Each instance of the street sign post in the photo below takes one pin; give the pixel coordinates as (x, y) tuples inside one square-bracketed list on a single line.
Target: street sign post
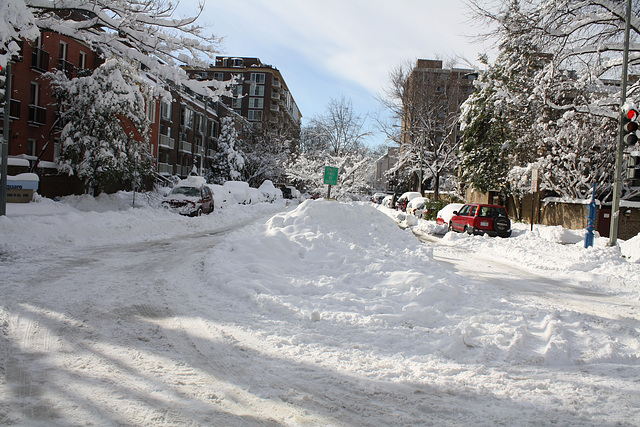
[(330, 178)]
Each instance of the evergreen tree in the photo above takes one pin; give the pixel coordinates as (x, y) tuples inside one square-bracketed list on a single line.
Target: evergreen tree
[(228, 163), (105, 139)]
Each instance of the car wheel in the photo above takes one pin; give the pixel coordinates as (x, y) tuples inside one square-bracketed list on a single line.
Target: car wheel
[(199, 212), (450, 227), (467, 230), (501, 224)]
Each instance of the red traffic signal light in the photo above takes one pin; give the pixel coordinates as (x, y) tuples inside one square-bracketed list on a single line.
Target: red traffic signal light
[(629, 125)]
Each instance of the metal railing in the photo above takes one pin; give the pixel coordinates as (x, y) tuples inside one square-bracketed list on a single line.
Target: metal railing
[(166, 141), (40, 60), (185, 147), (37, 115), (165, 168)]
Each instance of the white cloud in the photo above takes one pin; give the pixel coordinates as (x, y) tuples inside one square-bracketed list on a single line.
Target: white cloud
[(339, 47)]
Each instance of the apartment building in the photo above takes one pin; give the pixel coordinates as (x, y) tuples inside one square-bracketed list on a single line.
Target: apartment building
[(183, 133), (435, 94), (34, 124), (261, 95)]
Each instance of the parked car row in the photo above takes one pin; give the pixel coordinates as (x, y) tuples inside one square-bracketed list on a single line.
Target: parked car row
[(194, 197), (471, 218)]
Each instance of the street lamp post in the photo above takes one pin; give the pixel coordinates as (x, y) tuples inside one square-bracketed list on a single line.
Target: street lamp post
[(5, 142)]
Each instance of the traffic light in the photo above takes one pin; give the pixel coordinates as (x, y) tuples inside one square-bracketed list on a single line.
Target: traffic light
[(629, 125)]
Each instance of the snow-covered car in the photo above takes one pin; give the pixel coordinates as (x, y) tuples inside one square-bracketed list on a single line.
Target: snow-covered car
[(474, 218), (444, 215), (256, 196), (240, 191), (190, 197), (270, 191), (378, 197), (417, 207), (405, 198), (221, 196), (289, 192), (387, 201)]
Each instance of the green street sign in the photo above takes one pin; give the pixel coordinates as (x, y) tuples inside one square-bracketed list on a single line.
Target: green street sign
[(330, 175)]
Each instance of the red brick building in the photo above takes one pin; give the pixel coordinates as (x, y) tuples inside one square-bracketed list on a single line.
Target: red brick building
[(183, 130)]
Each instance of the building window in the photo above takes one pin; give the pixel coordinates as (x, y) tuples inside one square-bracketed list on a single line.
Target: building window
[(63, 51), (32, 147), (258, 78), (237, 90), (218, 76), (57, 148), (256, 90), (165, 110), (236, 103), (236, 62), (82, 61), (255, 115), (165, 130), (256, 103), (151, 110), (34, 98), (212, 128), (186, 118)]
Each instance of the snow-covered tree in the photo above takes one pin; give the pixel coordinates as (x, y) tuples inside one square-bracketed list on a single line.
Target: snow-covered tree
[(228, 163), (267, 150), (17, 23), (144, 31), (355, 172), (340, 130), (498, 119), (582, 43), (335, 139), (426, 110), (105, 135)]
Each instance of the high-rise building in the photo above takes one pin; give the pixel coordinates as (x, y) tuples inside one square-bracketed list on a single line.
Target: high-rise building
[(431, 101), (261, 95), (433, 98)]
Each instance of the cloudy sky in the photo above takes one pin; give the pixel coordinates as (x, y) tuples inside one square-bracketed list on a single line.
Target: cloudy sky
[(332, 48)]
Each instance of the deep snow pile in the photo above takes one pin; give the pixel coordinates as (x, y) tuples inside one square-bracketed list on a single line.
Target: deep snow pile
[(110, 218)]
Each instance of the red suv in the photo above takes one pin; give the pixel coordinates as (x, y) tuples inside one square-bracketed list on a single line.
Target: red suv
[(476, 218)]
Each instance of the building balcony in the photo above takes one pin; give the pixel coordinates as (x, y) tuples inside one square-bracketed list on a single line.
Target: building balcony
[(66, 67), (37, 115), (211, 154), (198, 150), (185, 147), (14, 110), (275, 107), (275, 95), (165, 168), (276, 83), (167, 142), (40, 60)]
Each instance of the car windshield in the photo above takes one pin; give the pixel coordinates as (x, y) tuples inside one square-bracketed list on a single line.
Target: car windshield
[(492, 212), (187, 191)]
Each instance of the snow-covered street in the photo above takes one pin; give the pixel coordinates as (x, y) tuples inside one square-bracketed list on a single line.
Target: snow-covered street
[(322, 313)]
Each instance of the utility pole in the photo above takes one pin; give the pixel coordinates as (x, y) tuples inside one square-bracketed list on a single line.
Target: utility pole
[(617, 183), (5, 140)]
